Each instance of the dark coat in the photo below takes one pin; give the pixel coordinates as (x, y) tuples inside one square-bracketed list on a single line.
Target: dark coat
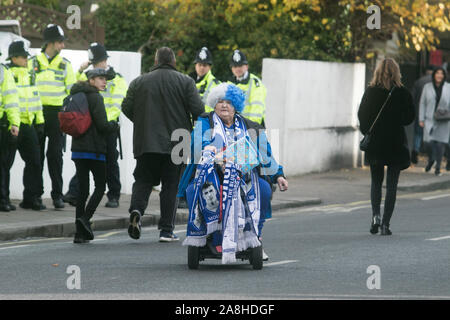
[(389, 145), (94, 139), (158, 103)]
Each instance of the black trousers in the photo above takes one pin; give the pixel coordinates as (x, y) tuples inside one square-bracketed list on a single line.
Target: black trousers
[(151, 170), (8, 146), (98, 169), (28, 146), (437, 152), (112, 170), (392, 176), (54, 149)]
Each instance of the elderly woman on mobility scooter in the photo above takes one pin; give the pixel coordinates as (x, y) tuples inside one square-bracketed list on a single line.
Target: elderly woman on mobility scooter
[(228, 182)]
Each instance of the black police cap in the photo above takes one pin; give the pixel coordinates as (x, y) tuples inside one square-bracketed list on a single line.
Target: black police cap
[(17, 49), (97, 53), (53, 33), (238, 59), (204, 56)]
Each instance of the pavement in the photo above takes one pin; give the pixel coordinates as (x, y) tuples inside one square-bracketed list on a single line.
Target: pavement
[(332, 187)]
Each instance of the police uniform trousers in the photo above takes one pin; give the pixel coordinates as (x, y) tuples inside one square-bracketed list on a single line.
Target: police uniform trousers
[(8, 145), (29, 150), (54, 149)]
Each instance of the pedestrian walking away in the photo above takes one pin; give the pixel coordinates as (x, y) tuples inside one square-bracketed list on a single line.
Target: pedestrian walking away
[(31, 127), (435, 97), (113, 95), (53, 76), (89, 152), (388, 145), (158, 102), (9, 131)]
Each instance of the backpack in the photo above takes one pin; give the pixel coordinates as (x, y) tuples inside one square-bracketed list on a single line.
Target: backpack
[(75, 119)]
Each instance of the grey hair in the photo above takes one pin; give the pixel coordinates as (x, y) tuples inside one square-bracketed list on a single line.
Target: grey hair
[(216, 94)]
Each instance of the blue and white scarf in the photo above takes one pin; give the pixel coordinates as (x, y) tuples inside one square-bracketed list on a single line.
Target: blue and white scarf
[(240, 218)]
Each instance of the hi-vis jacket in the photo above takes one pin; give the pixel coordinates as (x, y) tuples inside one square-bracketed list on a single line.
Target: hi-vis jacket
[(255, 103), (53, 79), (9, 97), (204, 87), (115, 92), (29, 98)]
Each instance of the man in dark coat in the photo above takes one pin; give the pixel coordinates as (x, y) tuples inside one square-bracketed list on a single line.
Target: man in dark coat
[(158, 103)]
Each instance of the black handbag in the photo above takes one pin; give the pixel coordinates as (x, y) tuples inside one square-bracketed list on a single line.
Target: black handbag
[(364, 144)]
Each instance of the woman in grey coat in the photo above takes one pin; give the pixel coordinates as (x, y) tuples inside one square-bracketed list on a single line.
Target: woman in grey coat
[(435, 95)]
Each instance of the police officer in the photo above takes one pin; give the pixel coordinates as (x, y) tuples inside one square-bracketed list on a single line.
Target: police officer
[(9, 130), (31, 117), (53, 76), (204, 79), (115, 92), (255, 103)]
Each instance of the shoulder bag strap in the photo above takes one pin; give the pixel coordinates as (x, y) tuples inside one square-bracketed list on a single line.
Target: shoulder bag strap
[(379, 113)]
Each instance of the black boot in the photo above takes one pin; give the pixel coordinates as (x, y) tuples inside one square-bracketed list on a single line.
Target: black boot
[(79, 239), (376, 221), (414, 156), (429, 165), (82, 224), (385, 231)]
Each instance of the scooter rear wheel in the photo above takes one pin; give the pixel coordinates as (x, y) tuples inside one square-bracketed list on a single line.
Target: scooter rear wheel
[(193, 257), (256, 258)]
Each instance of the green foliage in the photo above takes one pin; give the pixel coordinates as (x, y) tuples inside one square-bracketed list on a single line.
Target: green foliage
[(328, 30)]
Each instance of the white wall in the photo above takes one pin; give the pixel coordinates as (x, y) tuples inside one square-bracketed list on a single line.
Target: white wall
[(128, 64), (313, 105)]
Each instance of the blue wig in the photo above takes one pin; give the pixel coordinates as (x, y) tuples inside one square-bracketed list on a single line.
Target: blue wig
[(230, 92)]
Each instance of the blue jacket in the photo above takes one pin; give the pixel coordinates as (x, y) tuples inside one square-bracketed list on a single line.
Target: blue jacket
[(269, 169)]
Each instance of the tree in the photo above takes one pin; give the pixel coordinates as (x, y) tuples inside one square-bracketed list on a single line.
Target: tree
[(329, 30)]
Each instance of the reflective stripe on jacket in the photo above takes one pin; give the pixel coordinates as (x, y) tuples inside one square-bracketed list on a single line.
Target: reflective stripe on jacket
[(9, 97), (255, 103), (53, 79), (29, 99), (205, 86)]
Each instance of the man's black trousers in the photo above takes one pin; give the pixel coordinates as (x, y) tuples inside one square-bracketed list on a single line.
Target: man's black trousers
[(151, 170)]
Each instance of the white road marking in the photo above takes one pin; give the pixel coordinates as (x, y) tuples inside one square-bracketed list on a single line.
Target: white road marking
[(13, 247), (440, 238), (436, 197), (279, 263)]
